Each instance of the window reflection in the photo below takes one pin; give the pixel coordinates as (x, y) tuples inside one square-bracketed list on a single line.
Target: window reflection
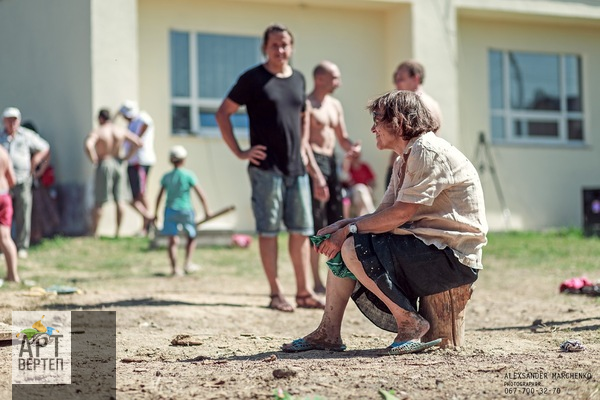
[(220, 60), (534, 81), (573, 83), (181, 119), (496, 80), (575, 128), (535, 97), (203, 68), (208, 120), (180, 64)]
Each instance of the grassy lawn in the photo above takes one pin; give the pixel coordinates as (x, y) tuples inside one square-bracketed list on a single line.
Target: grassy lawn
[(107, 261), (560, 251)]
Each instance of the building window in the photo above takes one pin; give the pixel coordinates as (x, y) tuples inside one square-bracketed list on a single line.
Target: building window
[(535, 98), (203, 69)]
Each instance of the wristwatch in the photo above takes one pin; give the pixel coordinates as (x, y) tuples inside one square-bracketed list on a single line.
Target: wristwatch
[(352, 229)]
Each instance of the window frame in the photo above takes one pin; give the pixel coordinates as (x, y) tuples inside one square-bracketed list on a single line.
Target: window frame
[(561, 117), (194, 102)]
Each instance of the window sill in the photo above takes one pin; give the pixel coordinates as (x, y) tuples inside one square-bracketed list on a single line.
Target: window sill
[(555, 145), (210, 133)]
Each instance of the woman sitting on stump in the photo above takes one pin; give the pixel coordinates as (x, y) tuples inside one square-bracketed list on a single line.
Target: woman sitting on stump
[(426, 236)]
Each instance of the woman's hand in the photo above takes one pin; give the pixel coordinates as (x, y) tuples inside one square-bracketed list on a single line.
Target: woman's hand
[(330, 247), (334, 227)]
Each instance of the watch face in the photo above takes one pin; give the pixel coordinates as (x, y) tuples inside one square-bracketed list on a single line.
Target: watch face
[(353, 228)]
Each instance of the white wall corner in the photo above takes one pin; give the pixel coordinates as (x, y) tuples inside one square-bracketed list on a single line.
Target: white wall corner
[(434, 37)]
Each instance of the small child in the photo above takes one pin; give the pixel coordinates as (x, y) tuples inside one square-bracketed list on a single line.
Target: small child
[(178, 208)]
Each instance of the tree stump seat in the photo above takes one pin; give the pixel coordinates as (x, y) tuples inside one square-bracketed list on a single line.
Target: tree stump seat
[(445, 312)]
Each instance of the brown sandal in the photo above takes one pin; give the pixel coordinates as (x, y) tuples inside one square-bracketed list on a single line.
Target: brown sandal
[(280, 304), (308, 301)]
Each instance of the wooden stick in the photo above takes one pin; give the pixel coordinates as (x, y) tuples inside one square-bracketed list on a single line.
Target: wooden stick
[(217, 214)]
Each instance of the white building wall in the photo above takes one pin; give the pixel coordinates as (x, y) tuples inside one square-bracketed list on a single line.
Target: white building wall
[(46, 71), (114, 78), (434, 45), (542, 184)]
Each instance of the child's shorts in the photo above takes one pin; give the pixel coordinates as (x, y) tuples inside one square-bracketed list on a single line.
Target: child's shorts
[(175, 220)]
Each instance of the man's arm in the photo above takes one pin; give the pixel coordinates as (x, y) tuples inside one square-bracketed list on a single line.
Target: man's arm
[(90, 147), (342, 134), (40, 162), (143, 129), (40, 150), (9, 172), (256, 153), (321, 191), (135, 142)]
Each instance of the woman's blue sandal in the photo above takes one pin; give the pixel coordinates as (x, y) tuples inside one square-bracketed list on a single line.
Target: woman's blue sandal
[(411, 346), (302, 344)]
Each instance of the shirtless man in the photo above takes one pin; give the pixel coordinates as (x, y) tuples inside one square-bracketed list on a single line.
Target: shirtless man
[(326, 125), (102, 146), (7, 245)]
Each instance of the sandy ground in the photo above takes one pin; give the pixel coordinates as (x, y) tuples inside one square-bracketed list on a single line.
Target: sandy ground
[(238, 355)]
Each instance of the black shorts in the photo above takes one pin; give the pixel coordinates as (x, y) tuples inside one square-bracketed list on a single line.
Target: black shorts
[(404, 269), (138, 175), (325, 213)]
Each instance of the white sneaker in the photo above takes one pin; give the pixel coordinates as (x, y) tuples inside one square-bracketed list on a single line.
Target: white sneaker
[(191, 268), (22, 253)]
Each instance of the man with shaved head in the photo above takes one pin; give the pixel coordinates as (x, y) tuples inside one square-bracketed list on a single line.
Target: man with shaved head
[(326, 126)]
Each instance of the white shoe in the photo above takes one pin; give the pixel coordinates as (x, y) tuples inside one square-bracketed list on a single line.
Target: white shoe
[(191, 268), (22, 253)]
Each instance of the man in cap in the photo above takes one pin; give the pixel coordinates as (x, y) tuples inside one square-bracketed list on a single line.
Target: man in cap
[(29, 154), (142, 125)]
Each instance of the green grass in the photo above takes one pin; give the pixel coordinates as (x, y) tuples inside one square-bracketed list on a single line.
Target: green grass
[(561, 250), (68, 261)]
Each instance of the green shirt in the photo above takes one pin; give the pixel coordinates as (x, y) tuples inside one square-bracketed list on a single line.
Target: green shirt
[(177, 184)]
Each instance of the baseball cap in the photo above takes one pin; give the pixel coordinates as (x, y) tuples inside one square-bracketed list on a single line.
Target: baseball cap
[(11, 112), (129, 109), (178, 153)]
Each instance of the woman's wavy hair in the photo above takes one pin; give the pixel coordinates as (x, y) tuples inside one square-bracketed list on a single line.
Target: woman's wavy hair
[(403, 113)]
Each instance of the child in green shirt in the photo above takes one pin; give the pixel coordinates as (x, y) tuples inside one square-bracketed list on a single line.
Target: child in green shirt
[(179, 211)]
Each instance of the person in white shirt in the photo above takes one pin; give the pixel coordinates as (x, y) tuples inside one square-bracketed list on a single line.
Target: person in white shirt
[(139, 165), (425, 237)]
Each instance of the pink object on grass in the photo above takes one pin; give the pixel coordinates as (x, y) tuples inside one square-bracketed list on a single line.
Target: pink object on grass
[(575, 284)]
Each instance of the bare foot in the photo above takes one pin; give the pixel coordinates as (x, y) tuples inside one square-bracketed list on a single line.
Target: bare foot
[(303, 344), (413, 328), (177, 273), (279, 303), (319, 289), (308, 301)]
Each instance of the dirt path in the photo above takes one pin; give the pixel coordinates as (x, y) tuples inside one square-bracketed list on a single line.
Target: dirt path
[(239, 356)]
